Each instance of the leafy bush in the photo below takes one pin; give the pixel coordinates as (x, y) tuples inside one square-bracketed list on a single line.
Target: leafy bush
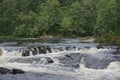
[(108, 39)]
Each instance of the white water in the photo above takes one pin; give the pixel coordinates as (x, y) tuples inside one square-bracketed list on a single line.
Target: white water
[(83, 64)]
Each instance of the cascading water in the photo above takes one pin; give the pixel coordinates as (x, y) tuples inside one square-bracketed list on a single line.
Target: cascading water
[(61, 61)]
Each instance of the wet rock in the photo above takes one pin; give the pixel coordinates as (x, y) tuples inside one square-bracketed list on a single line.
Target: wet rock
[(68, 48), (117, 51), (60, 49), (4, 70), (19, 42), (17, 71), (76, 66), (49, 60), (39, 49), (49, 49), (69, 57), (79, 48), (42, 50), (26, 53), (100, 46), (33, 50), (9, 71), (87, 40), (70, 60), (87, 47)]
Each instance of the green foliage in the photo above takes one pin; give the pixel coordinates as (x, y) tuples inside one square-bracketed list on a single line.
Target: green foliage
[(7, 16), (73, 18), (107, 17), (26, 25), (49, 17), (108, 39)]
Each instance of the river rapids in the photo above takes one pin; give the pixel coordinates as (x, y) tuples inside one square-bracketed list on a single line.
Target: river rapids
[(68, 59)]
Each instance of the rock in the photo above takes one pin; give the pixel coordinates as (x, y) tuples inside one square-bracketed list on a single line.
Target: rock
[(13, 71), (117, 51), (99, 46), (4, 70), (18, 43), (49, 49), (68, 48), (60, 49), (17, 71), (69, 57), (76, 66), (49, 60), (37, 50), (46, 37), (42, 49), (33, 50), (26, 53), (87, 40)]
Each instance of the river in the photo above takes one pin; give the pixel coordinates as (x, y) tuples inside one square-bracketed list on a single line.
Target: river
[(65, 59)]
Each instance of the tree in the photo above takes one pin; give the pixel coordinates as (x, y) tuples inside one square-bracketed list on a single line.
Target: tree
[(26, 25), (23, 6), (7, 16), (108, 17), (78, 21), (49, 18)]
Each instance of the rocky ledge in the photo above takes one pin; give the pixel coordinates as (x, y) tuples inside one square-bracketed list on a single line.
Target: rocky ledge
[(11, 71), (87, 39)]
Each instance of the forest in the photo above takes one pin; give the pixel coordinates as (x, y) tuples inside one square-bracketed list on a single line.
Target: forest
[(74, 18)]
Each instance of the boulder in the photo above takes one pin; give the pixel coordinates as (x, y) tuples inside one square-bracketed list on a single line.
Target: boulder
[(49, 60), (33, 50), (9, 71), (4, 70), (99, 46), (42, 49), (49, 49), (17, 71), (26, 53)]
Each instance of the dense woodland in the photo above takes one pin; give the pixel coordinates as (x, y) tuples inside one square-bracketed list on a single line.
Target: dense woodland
[(34, 18)]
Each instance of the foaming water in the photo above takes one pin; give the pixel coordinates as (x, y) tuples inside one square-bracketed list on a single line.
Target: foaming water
[(79, 61)]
